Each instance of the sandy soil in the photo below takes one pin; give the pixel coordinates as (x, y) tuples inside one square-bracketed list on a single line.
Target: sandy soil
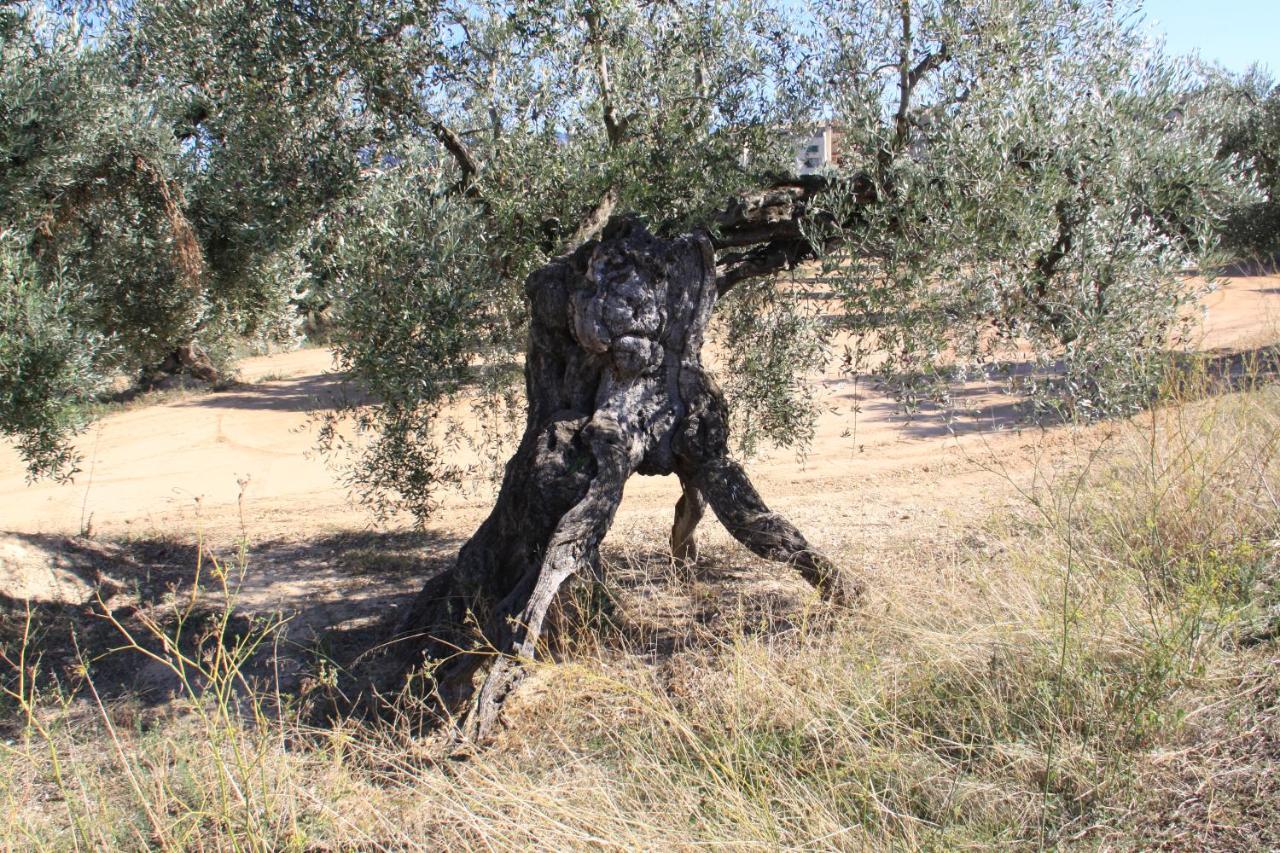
[(243, 460)]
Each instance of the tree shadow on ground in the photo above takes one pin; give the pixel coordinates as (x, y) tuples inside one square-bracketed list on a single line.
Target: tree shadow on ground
[(52, 643), (936, 420), (1251, 268), (336, 603), (1227, 370), (641, 606), (312, 604), (991, 406), (342, 596), (345, 594), (320, 391), (649, 606), (315, 392)]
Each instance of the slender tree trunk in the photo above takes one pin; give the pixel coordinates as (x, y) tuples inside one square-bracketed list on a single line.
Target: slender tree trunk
[(689, 511), (615, 387)]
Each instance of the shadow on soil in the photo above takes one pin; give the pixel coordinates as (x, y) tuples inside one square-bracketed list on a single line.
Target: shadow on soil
[(302, 394), (1234, 369), (335, 598), (340, 597), (990, 406), (1250, 268)]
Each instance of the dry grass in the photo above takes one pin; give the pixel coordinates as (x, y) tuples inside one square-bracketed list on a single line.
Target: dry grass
[(1096, 669)]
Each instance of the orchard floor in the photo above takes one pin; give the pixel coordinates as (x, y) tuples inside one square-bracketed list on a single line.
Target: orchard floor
[(213, 468)]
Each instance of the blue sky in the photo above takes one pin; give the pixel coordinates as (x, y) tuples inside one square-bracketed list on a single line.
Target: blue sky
[(1234, 33)]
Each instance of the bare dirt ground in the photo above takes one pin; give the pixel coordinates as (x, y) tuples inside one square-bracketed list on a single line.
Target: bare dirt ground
[(215, 467)]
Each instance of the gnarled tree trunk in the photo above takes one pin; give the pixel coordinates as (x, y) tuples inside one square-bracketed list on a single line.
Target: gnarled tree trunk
[(616, 387)]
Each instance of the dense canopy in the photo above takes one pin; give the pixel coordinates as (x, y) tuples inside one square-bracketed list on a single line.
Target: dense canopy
[(183, 178)]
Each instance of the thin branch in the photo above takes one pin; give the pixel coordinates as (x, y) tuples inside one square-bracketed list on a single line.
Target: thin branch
[(909, 78), (461, 153), (769, 259), (905, 84), (924, 66), (1046, 266), (467, 163), (615, 129)]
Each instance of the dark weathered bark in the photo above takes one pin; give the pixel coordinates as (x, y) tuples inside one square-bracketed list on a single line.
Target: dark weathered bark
[(188, 359), (616, 387), (769, 230)]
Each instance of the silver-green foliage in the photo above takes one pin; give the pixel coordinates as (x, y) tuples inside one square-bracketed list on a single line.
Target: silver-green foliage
[(417, 306), (1249, 123), (165, 165), (198, 170), (1045, 183), (93, 275), (43, 362)]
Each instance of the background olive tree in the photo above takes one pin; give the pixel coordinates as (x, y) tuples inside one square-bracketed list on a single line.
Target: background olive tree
[(1043, 181), (1249, 125), (162, 165)]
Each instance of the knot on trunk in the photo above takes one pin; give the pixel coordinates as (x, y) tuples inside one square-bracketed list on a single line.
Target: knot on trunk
[(619, 308)]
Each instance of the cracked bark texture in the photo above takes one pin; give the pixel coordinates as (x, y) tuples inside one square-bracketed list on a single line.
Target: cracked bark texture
[(616, 387)]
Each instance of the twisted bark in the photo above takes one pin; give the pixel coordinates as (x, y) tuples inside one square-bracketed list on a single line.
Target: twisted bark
[(616, 387)]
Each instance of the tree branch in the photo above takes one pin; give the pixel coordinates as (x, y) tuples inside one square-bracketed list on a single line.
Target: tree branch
[(924, 66), (909, 77), (770, 226), (905, 84), (1046, 266), (615, 129), (461, 153), (594, 222), (467, 163), (773, 257), (405, 106), (757, 216)]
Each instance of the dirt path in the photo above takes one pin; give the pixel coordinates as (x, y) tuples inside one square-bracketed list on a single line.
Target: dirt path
[(214, 461)]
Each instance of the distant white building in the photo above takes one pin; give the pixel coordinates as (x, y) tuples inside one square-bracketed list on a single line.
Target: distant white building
[(818, 151)]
